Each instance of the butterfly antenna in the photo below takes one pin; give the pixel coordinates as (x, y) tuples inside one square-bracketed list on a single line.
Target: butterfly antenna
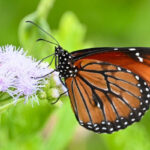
[(46, 41), (43, 31)]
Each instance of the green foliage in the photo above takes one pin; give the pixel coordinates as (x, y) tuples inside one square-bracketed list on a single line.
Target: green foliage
[(46, 126), (64, 129), (21, 124), (74, 38), (26, 125), (134, 137), (28, 33)]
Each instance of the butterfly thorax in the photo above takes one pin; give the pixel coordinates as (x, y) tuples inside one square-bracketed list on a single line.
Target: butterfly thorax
[(65, 63)]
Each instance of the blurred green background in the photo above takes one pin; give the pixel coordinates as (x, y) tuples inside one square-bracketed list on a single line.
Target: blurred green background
[(76, 24)]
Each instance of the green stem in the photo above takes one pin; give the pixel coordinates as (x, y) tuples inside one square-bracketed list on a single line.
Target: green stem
[(6, 99), (2, 93), (44, 7), (5, 107)]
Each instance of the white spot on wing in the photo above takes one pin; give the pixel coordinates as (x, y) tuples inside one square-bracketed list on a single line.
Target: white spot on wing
[(137, 54), (144, 108), (116, 49), (137, 77), (147, 89), (125, 123), (133, 119), (89, 123), (148, 95), (95, 125), (98, 105), (146, 101), (104, 128), (119, 68), (111, 129), (140, 59), (97, 128), (103, 122), (90, 127), (139, 114), (138, 84), (128, 71), (132, 49), (141, 90)]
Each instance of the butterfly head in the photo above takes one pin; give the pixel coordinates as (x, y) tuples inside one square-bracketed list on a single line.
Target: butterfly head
[(59, 50), (65, 63)]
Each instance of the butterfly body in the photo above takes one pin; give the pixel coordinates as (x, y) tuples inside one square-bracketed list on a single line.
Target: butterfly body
[(65, 66), (107, 91)]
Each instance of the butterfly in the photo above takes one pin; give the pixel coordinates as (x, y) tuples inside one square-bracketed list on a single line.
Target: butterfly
[(108, 86)]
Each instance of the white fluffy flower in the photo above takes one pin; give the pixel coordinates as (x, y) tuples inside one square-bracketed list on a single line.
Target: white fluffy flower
[(55, 93), (19, 73)]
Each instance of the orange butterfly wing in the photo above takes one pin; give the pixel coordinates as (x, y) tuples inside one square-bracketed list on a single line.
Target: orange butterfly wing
[(106, 97), (138, 60)]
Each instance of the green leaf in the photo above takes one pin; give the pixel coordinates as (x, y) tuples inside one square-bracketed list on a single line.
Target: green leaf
[(64, 129), (134, 137), (9, 104), (28, 33), (71, 32)]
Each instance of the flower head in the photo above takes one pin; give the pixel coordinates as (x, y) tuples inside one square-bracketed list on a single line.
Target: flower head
[(58, 82), (19, 73)]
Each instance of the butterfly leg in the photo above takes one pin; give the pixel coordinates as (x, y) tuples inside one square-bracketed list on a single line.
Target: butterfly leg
[(62, 81), (44, 75), (59, 97), (51, 61), (45, 58)]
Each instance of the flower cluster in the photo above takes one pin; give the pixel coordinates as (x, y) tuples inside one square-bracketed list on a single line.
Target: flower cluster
[(58, 82), (20, 74)]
